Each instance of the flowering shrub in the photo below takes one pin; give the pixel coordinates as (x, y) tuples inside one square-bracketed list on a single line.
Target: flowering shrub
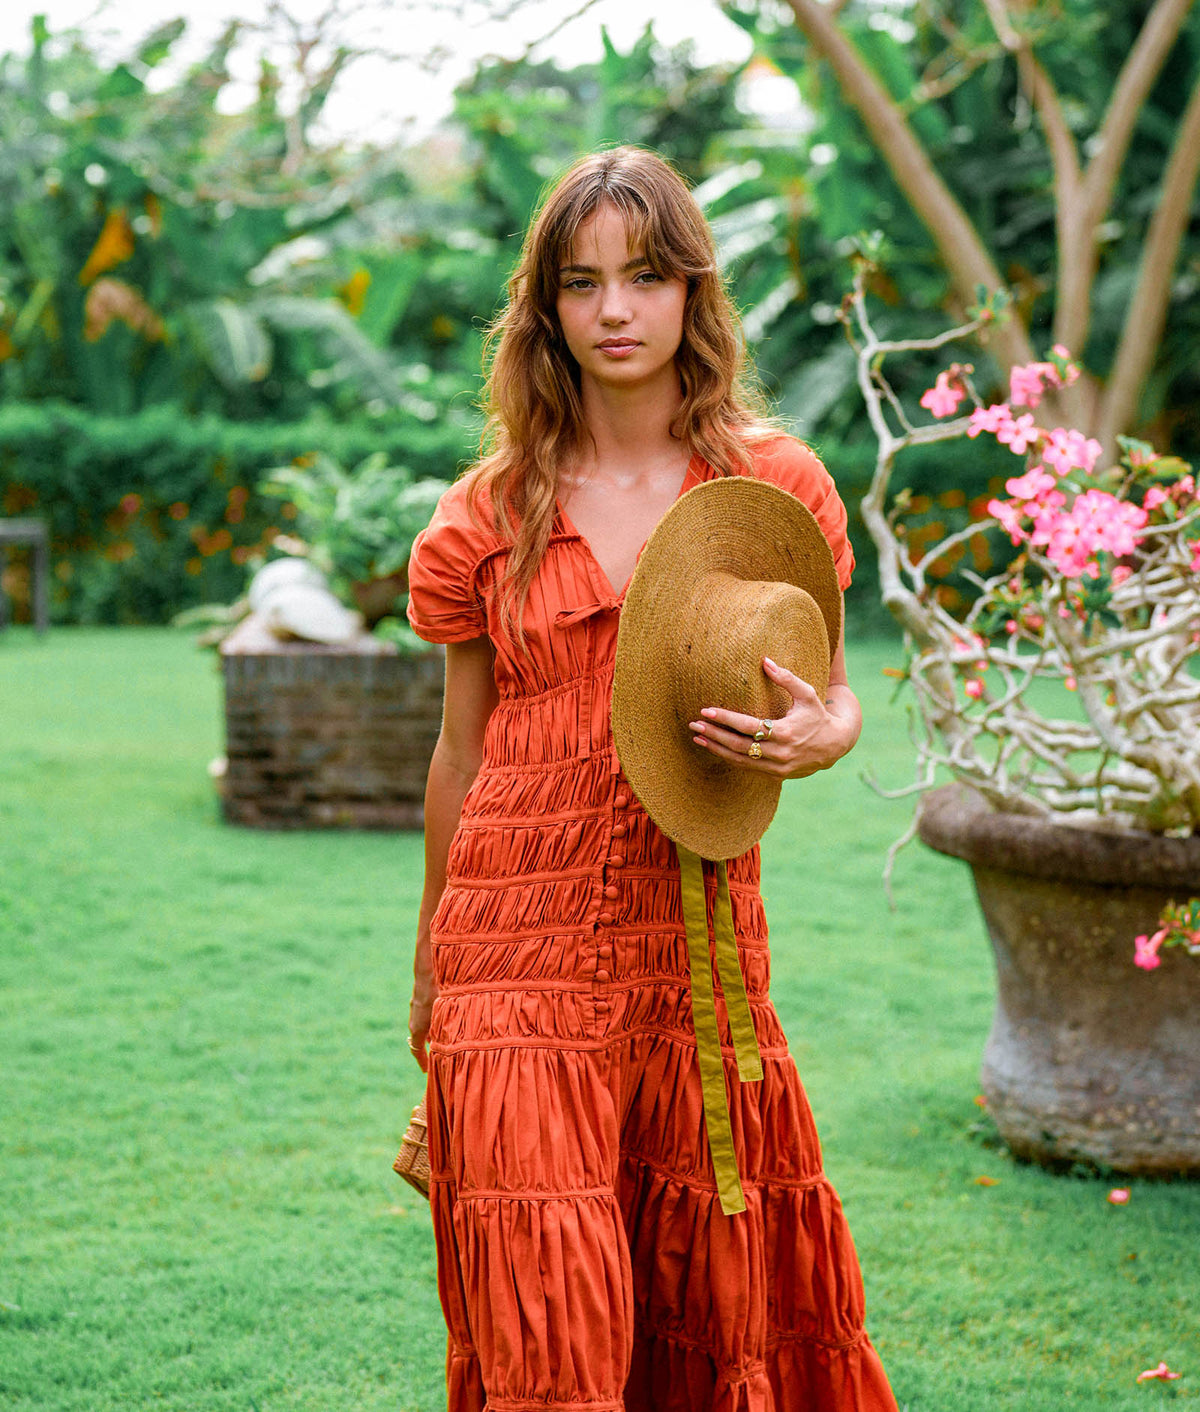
[(1066, 684), (1178, 926)]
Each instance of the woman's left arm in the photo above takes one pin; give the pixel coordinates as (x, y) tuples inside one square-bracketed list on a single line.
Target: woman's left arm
[(813, 735)]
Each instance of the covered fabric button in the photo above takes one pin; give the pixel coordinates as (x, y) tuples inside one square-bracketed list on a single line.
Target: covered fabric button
[(616, 859), (622, 799), (605, 919), (612, 892), (619, 830), (603, 976)]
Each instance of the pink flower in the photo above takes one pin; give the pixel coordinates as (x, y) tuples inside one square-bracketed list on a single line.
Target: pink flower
[(1026, 383), (991, 419), (1019, 434), (1070, 683), (944, 396), (1066, 370), (1120, 574), (1034, 484), (1096, 522), (1065, 449), (973, 688), (1009, 516), (1119, 1196), (1162, 1372), (1146, 948), (1196, 557)]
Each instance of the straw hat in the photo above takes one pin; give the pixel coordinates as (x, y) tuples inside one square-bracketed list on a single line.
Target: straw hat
[(737, 570)]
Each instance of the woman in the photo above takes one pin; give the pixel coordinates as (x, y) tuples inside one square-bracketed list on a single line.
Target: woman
[(583, 1259)]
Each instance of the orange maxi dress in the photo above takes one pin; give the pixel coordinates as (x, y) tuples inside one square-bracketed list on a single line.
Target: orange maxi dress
[(584, 1261)]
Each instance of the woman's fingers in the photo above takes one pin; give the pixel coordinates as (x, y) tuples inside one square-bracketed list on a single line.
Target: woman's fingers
[(420, 1013), (796, 687), (733, 721), (738, 738), (728, 745), (418, 1037), (773, 746)]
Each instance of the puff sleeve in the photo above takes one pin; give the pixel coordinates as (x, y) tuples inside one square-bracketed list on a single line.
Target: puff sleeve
[(793, 466), (444, 604)]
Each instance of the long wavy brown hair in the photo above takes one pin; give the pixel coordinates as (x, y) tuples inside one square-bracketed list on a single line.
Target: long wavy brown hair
[(532, 396)]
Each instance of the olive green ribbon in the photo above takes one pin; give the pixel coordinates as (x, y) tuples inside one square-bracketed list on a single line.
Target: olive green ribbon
[(704, 1017)]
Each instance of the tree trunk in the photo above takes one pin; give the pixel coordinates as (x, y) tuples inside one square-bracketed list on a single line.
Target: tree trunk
[(967, 258), (1147, 313)]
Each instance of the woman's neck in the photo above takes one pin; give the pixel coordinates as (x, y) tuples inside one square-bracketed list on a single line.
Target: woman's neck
[(630, 428)]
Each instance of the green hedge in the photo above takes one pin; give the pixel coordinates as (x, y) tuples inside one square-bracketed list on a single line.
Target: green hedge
[(158, 511)]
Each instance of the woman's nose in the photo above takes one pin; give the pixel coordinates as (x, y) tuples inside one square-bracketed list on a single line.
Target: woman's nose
[(614, 305)]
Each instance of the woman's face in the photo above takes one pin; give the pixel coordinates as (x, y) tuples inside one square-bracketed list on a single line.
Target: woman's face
[(622, 322)]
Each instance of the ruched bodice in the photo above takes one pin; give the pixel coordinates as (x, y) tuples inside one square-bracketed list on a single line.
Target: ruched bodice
[(584, 1261)]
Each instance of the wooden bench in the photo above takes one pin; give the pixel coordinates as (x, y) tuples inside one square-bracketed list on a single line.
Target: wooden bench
[(31, 533)]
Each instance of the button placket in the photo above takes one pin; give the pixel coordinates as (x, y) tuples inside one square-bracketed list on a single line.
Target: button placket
[(610, 891)]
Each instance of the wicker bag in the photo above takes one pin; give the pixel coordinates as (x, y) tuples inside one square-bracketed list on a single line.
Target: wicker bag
[(412, 1161)]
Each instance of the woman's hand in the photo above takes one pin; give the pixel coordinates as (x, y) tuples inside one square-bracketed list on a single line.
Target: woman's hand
[(421, 1008), (813, 734)]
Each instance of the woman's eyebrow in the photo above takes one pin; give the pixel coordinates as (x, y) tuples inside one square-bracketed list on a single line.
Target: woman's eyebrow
[(592, 269)]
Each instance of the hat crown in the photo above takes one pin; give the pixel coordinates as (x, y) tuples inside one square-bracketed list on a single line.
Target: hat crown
[(727, 626), (737, 570)]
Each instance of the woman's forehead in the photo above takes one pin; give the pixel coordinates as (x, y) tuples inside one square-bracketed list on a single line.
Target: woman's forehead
[(610, 224)]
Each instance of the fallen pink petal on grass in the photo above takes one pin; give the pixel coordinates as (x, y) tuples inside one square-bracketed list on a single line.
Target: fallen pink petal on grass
[(1162, 1373), (987, 1181), (1118, 1196)]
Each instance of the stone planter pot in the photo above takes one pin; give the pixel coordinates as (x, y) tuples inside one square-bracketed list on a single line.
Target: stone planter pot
[(1089, 1058), (326, 736)]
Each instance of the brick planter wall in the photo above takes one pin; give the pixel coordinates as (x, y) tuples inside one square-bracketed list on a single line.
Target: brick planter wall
[(327, 737)]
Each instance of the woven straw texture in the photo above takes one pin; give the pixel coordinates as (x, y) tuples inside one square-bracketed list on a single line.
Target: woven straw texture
[(412, 1161), (737, 570)]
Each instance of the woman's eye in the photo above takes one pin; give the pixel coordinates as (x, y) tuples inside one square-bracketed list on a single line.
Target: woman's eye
[(578, 283), (648, 277)]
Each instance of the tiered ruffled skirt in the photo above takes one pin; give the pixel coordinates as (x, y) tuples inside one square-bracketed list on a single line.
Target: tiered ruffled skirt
[(584, 1260)]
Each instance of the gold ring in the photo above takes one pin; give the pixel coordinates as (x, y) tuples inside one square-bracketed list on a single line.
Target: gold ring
[(768, 726), (755, 751)]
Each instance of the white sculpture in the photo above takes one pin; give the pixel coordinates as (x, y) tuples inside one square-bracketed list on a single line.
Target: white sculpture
[(293, 599)]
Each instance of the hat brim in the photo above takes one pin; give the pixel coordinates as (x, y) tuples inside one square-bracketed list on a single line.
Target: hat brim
[(754, 531)]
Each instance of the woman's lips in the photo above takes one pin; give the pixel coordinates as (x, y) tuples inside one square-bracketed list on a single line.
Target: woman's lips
[(618, 347)]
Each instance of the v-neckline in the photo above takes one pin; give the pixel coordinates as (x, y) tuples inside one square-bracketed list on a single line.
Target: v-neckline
[(602, 581)]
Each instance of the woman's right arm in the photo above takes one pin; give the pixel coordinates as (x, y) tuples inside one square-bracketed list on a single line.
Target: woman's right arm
[(470, 699)]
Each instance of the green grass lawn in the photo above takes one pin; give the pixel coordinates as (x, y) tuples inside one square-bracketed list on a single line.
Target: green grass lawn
[(204, 1082)]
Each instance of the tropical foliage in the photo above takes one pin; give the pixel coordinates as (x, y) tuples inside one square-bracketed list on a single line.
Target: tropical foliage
[(188, 296), (1052, 148), (163, 261)]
